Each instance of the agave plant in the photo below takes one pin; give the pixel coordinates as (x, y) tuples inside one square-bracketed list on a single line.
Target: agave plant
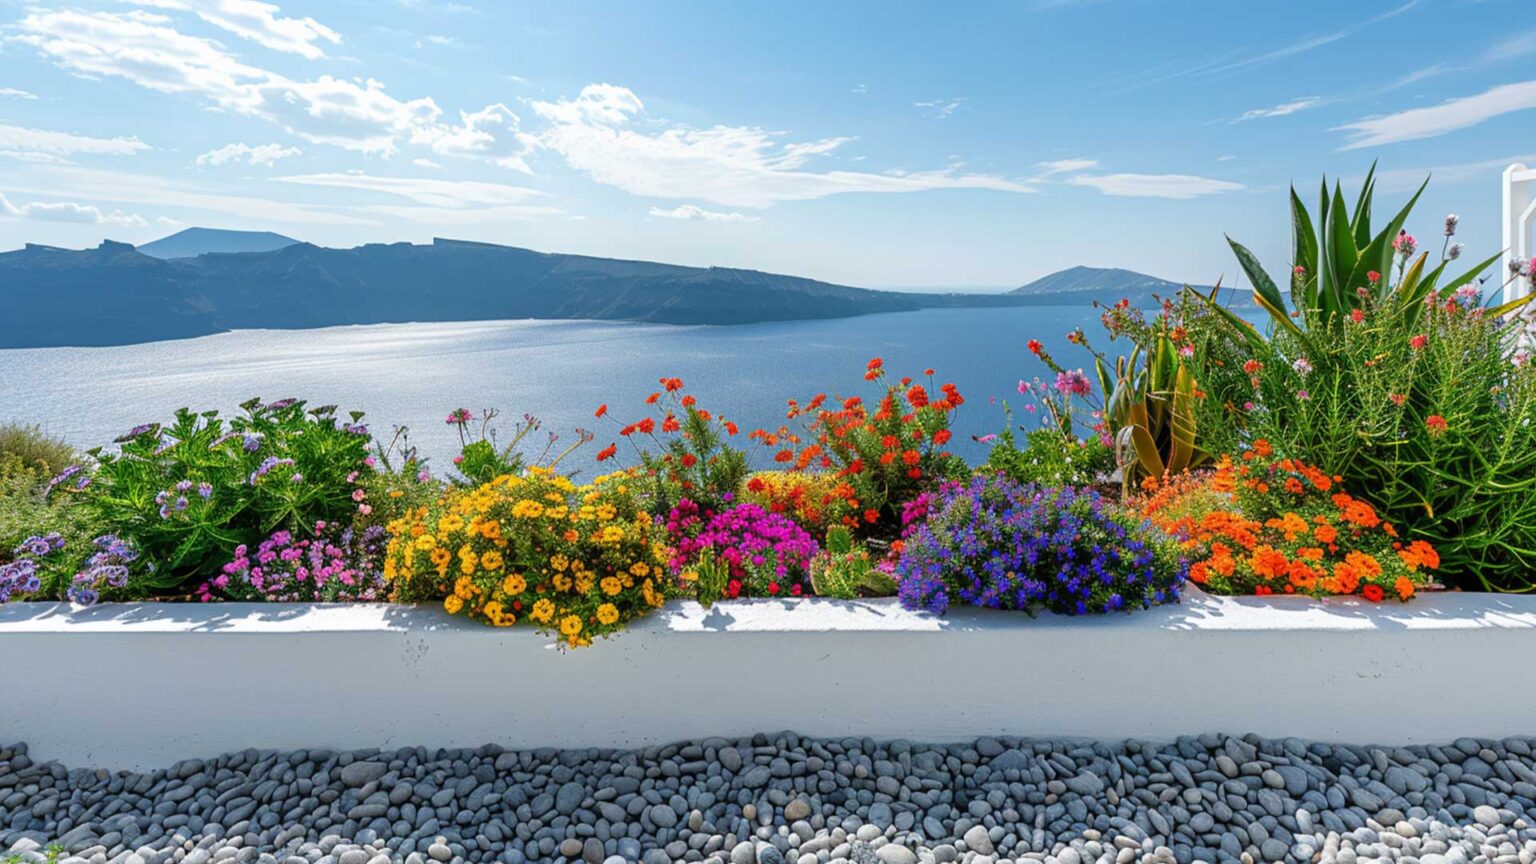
[(1339, 265), (1150, 409)]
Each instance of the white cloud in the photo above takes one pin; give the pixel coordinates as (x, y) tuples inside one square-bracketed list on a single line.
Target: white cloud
[(69, 211), (1225, 157), (1283, 109), (1512, 48), (692, 213), (259, 22), (261, 154), (353, 114), (43, 145), (454, 194), (18, 94), (942, 108), (1436, 120), (1063, 166), (1175, 186), (424, 162), (735, 166), (860, 88)]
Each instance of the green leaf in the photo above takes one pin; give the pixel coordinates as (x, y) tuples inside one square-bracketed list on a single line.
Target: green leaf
[(1265, 293), (1343, 257), (1362, 218)]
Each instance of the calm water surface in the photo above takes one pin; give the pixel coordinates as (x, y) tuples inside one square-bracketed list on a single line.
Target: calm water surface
[(413, 374)]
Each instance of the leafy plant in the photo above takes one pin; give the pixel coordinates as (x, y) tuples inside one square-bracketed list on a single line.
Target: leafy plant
[(481, 459), (187, 493), (846, 570), (1049, 458)]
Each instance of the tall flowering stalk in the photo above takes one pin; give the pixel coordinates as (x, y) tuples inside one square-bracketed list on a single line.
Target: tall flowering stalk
[(682, 451)]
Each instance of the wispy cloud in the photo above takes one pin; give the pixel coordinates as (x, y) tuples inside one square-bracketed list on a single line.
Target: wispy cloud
[(262, 23), (1174, 186), (734, 166), (941, 108), (353, 114), (423, 190), (860, 88), (1418, 123), (262, 154), (44, 145), (692, 213), (1063, 166), (17, 94), (1283, 109), (69, 211)]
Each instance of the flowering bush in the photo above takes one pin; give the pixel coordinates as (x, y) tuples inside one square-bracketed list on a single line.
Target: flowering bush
[(328, 565), (885, 457), (38, 564), (742, 551), (580, 562), (998, 544), (693, 457), (1269, 525), (812, 500), (188, 493)]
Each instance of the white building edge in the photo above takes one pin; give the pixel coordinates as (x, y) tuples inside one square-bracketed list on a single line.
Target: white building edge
[(1519, 218)]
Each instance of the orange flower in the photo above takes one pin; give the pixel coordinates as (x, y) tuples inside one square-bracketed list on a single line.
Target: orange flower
[(1419, 554), (731, 428), (646, 426), (601, 410), (672, 384), (1302, 576), (607, 453), (1263, 448), (1326, 534), (651, 399), (1291, 525), (1269, 563), (670, 424), (1404, 587)]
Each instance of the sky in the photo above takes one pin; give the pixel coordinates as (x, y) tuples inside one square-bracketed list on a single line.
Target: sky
[(866, 143)]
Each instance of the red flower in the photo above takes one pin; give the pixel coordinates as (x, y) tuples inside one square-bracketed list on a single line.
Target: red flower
[(688, 401), (928, 372), (651, 399), (1035, 347), (917, 396), (1418, 342), (1373, 276), (756, 484), (670, 424), (672, 384), (1356, 315), (915, 473), (601, 410), (871, 516), (648, 425), (784, 456), (731, 428), (1372, 592), (942, 437), (1436, 424), (689, 460), (607, 453)]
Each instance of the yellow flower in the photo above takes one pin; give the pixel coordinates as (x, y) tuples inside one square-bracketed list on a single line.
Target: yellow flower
[(527, 510), (570, 625), (611, 585), (562, 582), (514, 584), (491, 560), (607, 613), (464, 587), (559, 562), (611, 534), (606, 512), (583, 583), (639, 568), (425, 542), (543, 611), (492, 611), (449, 524), (453, 604), (689, 576)]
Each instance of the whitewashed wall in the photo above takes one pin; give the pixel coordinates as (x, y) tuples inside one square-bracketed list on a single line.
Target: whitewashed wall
[(144, 685)]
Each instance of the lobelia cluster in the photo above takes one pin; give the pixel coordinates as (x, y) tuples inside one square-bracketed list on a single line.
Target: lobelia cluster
[(106, 568), (998, 544), (326, 567), (21, 576), (759, 553)]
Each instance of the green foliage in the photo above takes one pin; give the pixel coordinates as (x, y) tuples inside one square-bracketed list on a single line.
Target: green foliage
[(34, 449), (1051, 458), (188, 492), (25, 512), (689, 454), (845, 569), (1339, 265), (1403, 384), (712, 577)]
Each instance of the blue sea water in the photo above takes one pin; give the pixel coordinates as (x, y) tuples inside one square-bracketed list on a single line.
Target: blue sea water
[(414, 374)]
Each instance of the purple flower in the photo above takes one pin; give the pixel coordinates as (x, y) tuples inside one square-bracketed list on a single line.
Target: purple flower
[(251, 441), (266, 467)]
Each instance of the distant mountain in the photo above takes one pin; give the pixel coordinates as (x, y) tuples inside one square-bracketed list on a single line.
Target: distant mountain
[(116, 294), (1110, 284), (192, 242)]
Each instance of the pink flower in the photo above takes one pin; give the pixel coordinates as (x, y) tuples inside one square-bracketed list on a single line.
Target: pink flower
[(365, 509), (1373, 276), (358, 494), (1073, 383), (1302, 395), (1023, 387), (1435, 424), (1186, 351), (1405, 244), (986, 439)]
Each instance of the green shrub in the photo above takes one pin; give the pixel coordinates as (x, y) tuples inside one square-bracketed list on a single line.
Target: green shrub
[(33, 449), (25, 513), (187, 493), (1051, 458)]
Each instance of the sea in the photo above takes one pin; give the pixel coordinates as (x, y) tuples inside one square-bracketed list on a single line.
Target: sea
[(559, 372)]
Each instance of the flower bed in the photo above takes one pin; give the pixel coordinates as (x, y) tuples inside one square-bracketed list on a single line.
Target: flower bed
[(1380, 437)]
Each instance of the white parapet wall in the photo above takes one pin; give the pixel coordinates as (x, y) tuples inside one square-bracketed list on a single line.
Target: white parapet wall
[(142, 685)]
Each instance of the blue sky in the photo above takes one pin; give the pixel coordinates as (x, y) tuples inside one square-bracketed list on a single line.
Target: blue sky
[(867, 143)]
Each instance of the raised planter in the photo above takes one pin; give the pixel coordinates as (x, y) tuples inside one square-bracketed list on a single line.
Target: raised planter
[(137, 685)]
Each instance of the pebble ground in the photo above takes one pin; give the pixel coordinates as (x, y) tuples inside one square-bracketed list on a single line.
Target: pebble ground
[(787, 799)]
